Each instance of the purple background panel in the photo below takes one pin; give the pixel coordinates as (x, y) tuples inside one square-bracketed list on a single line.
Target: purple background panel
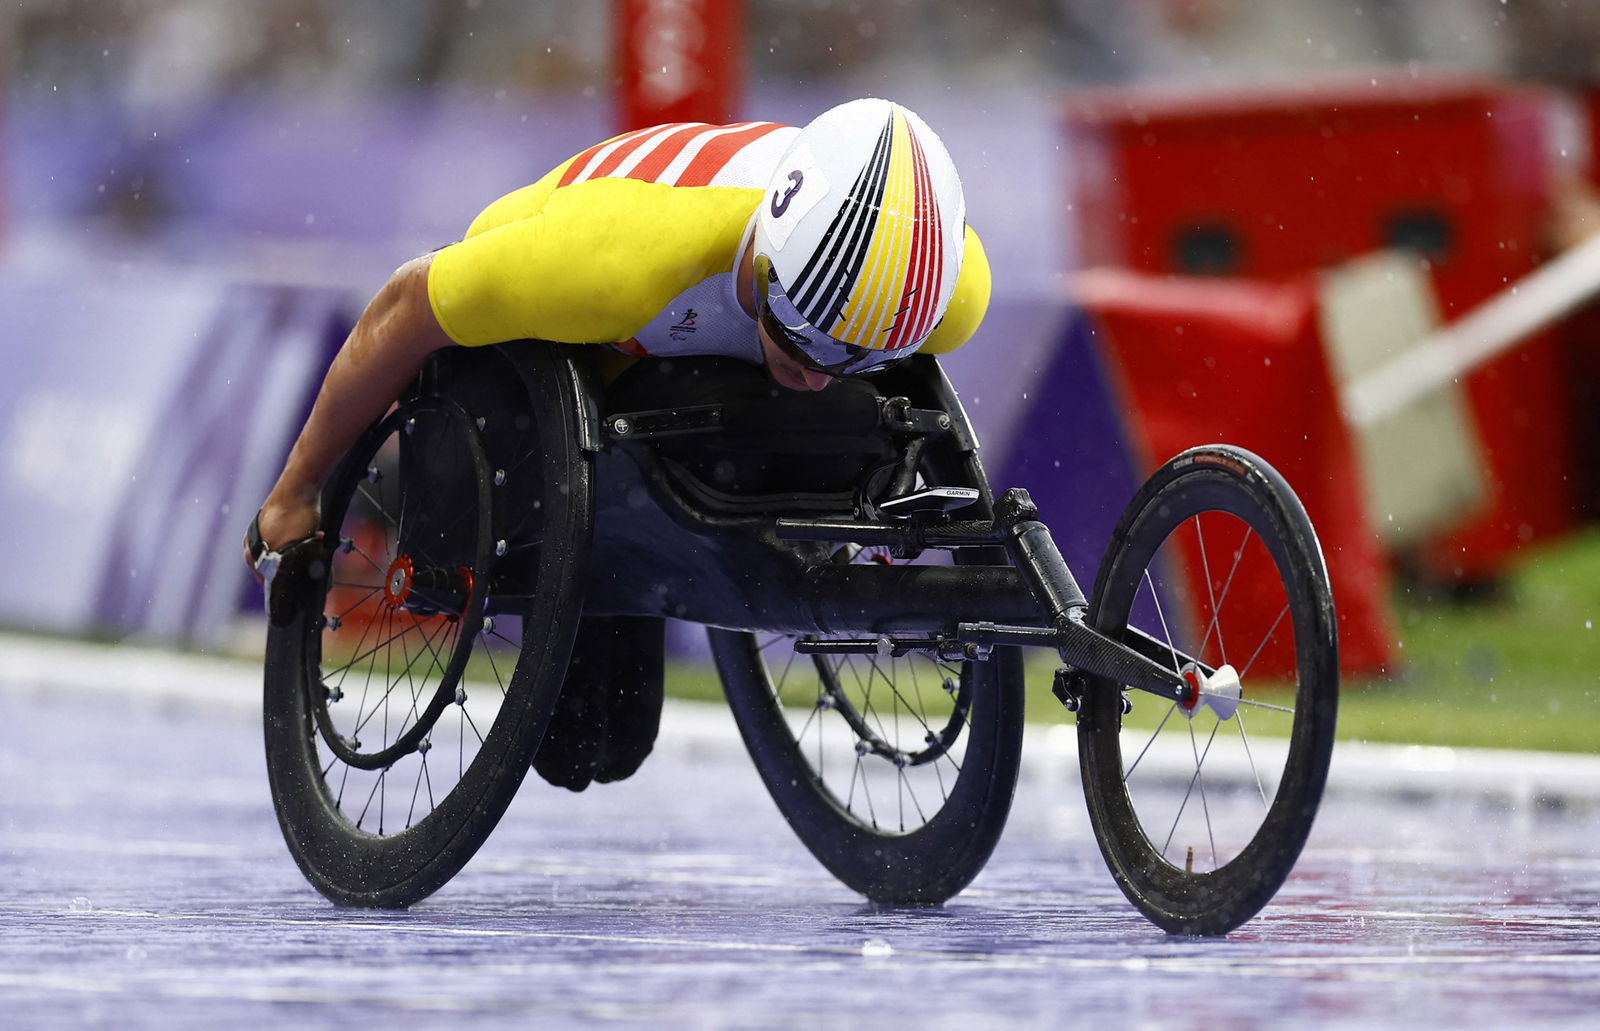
[(1072, 450), (142, 423)]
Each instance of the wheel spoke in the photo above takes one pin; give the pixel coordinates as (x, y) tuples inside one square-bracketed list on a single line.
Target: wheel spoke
[(1205, 805), (1222, 599), (811, 719), (382, 645), (382, 569), (1128, 772), (501, 681), (1252, 703), (372, 667), (416, 789), (1166, 632), (1250, 757), (466, 717), (377, 786), (870, 711), (913, 711), (406, 674), (341, 673), (783, 677), (448, 629), (1211, 595), (866, 792), (1271, 631), (378, 505), (368, 589), (1199, 761)]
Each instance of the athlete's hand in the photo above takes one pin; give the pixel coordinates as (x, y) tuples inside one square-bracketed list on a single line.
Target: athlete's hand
[(283, 523)]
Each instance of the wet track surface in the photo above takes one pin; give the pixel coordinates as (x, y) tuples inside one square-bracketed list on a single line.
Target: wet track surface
[(144, 884)]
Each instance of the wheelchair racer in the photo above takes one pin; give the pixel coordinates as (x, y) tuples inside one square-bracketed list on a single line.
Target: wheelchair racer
[(830, 250), (815, 253)]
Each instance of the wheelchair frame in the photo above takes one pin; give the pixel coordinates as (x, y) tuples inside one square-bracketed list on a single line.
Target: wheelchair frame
[(665, 543)]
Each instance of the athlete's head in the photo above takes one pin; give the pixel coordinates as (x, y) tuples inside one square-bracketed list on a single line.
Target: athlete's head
[(859, 239)]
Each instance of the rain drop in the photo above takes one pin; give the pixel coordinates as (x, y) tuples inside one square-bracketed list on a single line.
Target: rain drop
[(876, 948)]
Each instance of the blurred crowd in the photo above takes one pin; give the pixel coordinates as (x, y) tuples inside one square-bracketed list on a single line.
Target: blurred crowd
[(174, 51), (216, 119)]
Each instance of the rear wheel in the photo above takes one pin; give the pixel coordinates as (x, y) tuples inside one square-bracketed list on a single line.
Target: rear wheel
[(1202, 806), (401, 708), (896, 772)]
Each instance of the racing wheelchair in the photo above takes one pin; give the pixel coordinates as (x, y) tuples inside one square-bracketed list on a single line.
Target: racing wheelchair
[(867, 600)]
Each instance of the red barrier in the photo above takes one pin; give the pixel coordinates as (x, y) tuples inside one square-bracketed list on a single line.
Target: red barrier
[(1581, 333), (1201, 360), (678, 60), (1276, 183)]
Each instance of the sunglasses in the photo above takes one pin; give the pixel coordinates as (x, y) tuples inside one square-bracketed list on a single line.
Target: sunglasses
[(805, 344)]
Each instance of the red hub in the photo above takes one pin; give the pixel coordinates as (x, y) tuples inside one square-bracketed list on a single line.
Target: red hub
[(397, 581), (1191, 695), (434, 592)]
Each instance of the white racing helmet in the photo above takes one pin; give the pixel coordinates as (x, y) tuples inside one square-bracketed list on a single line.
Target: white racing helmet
[(859, 239)]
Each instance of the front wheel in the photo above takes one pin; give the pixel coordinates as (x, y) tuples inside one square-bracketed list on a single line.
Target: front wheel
[(1202, 806)]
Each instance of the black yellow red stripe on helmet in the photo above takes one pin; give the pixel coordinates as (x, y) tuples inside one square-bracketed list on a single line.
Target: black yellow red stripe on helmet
[(874, 280)]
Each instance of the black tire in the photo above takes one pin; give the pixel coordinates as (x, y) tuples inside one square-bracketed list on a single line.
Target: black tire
[(897, 773), (1202, 810), (382, 801)]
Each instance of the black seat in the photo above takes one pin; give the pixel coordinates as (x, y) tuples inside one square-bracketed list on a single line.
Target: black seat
[(769, 443)]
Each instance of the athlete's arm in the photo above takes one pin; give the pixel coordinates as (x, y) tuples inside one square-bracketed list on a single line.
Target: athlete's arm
[(383, 353), (594, 264)]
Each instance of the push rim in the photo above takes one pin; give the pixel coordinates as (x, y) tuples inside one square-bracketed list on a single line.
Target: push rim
[(399, 716)]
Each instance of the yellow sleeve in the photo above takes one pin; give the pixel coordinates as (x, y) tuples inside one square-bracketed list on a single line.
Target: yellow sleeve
[(519, 203), (594, 262), (967, 305)]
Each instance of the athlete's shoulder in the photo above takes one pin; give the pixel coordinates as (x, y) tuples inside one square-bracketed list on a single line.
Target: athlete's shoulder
[(685, 154), (599, 245), (598, 261), (682, 154)]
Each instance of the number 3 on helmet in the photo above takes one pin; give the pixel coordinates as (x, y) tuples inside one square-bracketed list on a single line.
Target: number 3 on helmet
[(859, 239)]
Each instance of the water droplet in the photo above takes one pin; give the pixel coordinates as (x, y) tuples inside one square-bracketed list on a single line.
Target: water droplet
[(876, 948)]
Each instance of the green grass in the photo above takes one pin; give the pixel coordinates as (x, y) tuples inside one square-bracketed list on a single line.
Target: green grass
[(1519, 670), (693, 681)]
